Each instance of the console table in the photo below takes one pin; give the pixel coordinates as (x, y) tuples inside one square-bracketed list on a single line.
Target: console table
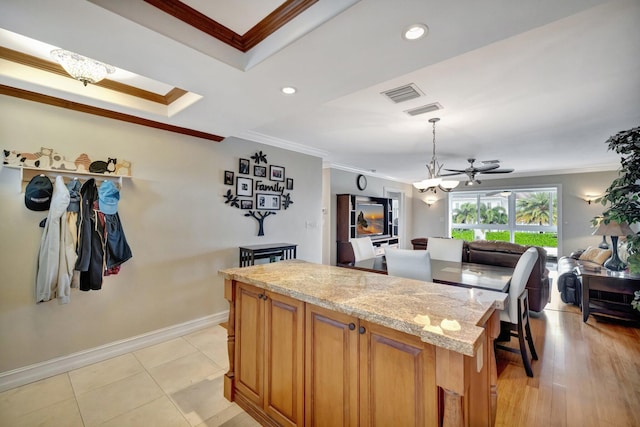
[(248, 254), (608, 293)]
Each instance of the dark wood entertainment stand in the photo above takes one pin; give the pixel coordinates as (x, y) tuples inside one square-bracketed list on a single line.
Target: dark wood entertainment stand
[(346, 225), (608, 293)]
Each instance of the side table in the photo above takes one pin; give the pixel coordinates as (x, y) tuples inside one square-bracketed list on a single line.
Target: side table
[(248, 254), (608, 293)]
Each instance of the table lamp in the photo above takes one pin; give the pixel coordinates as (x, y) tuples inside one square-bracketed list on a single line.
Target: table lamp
[(613, 229)]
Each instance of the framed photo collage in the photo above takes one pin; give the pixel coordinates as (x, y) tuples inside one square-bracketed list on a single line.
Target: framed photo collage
[(244, 184)]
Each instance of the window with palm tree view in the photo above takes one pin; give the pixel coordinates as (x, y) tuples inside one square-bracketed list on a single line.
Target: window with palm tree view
[(525, 216)]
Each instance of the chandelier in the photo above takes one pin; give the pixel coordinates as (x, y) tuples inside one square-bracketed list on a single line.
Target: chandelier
[(80, 67), (434, 180)]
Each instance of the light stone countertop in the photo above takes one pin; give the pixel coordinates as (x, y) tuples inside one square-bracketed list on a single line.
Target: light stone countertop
[(411, 306)]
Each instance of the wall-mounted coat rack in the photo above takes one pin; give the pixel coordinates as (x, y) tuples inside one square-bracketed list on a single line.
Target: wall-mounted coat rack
[(26, 173)]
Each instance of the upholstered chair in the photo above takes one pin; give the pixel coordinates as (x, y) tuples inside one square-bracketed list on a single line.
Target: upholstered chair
[(445, 249), (363, 248), (409, 264), (516, 314)]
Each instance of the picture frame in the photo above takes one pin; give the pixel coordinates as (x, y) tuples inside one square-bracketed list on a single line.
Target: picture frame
[(260, 171), (228, 177), (268, 202), (289, 183), (276, 173), (246, 204), (244, 186), (243, 166)]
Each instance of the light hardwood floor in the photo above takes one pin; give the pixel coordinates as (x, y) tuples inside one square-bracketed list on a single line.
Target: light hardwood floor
[(588, 375)]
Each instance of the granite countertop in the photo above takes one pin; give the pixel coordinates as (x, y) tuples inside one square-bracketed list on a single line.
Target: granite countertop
[(442, 315)]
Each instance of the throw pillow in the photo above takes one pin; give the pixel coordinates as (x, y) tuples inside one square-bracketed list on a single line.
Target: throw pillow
[(597, 255)]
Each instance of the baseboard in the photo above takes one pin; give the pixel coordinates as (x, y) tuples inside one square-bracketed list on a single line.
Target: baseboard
[(39, 371)]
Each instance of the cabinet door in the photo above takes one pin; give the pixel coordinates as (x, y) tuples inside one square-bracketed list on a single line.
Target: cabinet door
[(397, 378), (284, 360), (249, 361), (331, 368)]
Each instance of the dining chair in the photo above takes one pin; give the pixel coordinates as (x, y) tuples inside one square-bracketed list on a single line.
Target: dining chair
[(516, 314), (445, 249), (409, 264), (363, 248)]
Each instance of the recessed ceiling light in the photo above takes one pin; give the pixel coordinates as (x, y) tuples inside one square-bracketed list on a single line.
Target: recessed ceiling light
[(289, 90), (415, 32)]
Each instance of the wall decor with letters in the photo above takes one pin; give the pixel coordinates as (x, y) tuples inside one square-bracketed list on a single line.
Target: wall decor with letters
[(261, 195)]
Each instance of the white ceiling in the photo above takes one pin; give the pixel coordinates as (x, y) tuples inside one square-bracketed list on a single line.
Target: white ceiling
[(539, 85)]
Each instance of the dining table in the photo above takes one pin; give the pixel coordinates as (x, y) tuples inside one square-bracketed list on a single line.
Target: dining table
[(464, 274)]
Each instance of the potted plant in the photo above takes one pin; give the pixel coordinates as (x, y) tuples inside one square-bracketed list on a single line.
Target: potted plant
[(622, 198)]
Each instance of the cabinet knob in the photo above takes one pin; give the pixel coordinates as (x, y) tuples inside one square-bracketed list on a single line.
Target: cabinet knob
[(261, 296), (352, 326), (362, 330)]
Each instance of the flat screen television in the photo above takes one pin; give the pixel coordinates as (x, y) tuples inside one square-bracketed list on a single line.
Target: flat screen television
[(370, 219)]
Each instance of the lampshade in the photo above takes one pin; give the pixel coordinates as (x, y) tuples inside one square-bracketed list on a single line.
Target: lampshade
[(448, 185), (613, 228), (80, 67), (427, 183)]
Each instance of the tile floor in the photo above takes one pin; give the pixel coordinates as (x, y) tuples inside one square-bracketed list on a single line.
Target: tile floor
[(175, 383)]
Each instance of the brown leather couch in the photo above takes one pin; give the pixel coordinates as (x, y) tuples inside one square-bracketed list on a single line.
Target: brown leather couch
[(506, 254)]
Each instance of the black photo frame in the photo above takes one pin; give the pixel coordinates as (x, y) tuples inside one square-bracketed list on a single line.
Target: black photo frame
[(289, 183), (260, 171), (228, 177), (244, 186), (276, 173), (243, 166), (268, 202), (246, 204)]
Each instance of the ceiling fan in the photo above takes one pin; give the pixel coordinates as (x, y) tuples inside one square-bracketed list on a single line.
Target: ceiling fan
[(488, 166)]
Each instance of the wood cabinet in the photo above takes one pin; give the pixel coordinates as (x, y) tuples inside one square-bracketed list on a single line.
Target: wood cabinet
[(269, 355), (608, 293), (346, 225), (294, 363), (360, 373)]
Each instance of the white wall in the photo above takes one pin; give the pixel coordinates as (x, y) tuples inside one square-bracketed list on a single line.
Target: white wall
[(575, 229), (174, 217)]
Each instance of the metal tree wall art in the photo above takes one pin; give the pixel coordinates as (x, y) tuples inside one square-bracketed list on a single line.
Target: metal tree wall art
[(260, 195), (259, 157), (259, 216)]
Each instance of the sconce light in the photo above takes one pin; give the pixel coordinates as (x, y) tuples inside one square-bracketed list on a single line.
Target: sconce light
[(590, 198)]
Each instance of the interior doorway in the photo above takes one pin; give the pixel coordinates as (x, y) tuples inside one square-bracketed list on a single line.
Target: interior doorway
[(399, 214)]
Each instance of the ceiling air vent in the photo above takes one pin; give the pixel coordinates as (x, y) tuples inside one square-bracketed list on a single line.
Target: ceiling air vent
[(424, 109), (403, 93)]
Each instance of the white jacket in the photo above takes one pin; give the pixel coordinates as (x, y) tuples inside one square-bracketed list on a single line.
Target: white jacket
[(57, 255)]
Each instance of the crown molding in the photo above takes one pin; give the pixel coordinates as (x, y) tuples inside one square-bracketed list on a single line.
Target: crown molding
[(282, 143)]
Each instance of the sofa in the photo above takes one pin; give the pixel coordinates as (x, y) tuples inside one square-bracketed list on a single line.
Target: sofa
[(505, 254)]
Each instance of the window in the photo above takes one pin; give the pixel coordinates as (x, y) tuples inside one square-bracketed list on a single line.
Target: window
[(524, 216)]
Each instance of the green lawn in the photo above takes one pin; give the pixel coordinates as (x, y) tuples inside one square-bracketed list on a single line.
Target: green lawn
[(549, 240)]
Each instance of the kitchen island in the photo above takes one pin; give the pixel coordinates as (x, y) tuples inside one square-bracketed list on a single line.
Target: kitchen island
[(319, 345)]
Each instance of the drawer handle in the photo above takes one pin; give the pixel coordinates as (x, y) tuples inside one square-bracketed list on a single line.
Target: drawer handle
[(352, 326), (362, 330)]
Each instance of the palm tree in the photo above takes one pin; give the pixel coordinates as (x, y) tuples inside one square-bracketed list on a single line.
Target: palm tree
[(494, 215), (465, 214), (534, 208)]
